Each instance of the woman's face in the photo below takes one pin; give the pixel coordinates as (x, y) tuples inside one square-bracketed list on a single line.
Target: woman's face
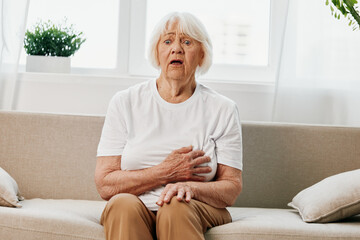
[(178, 54)]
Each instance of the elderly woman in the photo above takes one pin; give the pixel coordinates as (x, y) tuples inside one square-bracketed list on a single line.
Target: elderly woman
[(170, 153)]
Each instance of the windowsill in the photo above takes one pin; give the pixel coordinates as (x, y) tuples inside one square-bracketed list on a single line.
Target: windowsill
[(90, 94), (128, 80)]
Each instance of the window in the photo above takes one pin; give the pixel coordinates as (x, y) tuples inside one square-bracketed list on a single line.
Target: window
[(246, 35), (98, 20), (239, 29)]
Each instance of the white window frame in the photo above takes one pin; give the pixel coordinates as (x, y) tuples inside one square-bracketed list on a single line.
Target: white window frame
[(137, 64), (131, 48)]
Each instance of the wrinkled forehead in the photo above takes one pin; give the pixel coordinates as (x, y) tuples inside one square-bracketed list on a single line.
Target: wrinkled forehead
[(174, 33)]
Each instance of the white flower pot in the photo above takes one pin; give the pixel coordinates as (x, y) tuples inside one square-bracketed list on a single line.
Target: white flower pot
[(48, 64)]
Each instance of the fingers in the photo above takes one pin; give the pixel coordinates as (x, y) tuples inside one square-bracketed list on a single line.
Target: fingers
[(201, 160), (184, 164), (170, 193), (166, 195), (160, 201), (180, 194), (198, 170), (184, 149), (196, 153), (180, 190), (197, 178), (188, 196)]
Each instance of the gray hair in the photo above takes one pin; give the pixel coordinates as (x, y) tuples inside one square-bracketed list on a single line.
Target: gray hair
[(189, 25)]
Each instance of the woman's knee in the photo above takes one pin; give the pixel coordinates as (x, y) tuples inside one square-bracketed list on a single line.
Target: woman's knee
[(123, 205), (123, 200), (178, 220), (175, 210)]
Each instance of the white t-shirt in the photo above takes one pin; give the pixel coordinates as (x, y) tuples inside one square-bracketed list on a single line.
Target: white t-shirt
[(142, 127)]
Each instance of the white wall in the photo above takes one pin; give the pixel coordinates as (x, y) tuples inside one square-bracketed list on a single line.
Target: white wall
[(79, 94)]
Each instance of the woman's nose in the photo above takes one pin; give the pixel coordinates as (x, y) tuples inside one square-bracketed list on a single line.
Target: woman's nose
[(177, 48)]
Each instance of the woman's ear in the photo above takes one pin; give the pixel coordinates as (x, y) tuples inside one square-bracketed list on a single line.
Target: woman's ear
[(202, 58), (157, 53), (157, 59)]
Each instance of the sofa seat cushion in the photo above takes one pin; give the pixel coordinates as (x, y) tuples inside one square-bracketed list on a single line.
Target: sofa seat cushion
[(53, 219), (80, 219), (267, 223)]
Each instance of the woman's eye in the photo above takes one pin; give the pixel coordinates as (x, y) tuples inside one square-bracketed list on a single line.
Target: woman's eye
[(187, 42), (167, 41)]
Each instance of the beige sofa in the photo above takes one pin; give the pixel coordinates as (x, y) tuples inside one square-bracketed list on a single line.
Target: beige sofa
[(52, 158)]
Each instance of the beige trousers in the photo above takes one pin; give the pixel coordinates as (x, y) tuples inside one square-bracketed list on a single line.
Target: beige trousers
[(126, 217)]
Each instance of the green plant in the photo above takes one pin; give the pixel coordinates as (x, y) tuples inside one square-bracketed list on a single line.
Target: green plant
[(48, 39), (348, 8)]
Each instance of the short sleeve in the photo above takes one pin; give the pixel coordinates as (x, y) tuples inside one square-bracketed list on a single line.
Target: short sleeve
[(229, 144), (114, 133)]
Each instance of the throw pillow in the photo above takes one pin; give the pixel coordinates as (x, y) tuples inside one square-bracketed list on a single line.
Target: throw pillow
[(331, 199), (9, 192)]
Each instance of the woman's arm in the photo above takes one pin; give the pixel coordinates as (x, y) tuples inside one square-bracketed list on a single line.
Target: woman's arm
[(219, 193), (180, 165), (111, 180)]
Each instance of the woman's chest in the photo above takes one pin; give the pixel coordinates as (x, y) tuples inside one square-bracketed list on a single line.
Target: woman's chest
[(152, 136)]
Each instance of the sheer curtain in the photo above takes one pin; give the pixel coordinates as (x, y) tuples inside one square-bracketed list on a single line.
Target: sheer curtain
[(12, 28), (319, 76)]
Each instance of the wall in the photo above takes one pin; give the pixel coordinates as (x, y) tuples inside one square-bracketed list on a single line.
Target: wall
[(79, 94)]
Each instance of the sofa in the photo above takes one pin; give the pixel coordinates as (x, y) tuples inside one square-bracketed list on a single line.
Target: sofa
[(52, 157)]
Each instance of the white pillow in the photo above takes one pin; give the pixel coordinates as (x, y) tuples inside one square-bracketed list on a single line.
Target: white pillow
[(9, 192), (331, 199)]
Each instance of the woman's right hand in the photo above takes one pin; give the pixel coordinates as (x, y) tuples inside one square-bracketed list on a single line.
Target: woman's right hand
[(183, 165), (179, 166)]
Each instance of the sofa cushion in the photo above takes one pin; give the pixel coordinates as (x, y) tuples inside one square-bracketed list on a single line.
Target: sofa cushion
[(80, 219), (331, 199), (280, 224), (9, 192), (53, 219)]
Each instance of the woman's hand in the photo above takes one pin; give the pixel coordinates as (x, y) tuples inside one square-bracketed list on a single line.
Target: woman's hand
[(220, 193), (183, 165), (181, 190), (179, 166)]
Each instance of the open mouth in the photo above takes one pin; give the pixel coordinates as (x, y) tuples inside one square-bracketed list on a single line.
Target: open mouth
[(176, 62)]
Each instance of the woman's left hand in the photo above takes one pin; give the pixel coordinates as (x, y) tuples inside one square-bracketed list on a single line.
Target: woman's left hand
[(181, 190)]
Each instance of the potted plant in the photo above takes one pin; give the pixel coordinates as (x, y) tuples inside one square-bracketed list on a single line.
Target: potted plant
[(50, 46), (348, 8)]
